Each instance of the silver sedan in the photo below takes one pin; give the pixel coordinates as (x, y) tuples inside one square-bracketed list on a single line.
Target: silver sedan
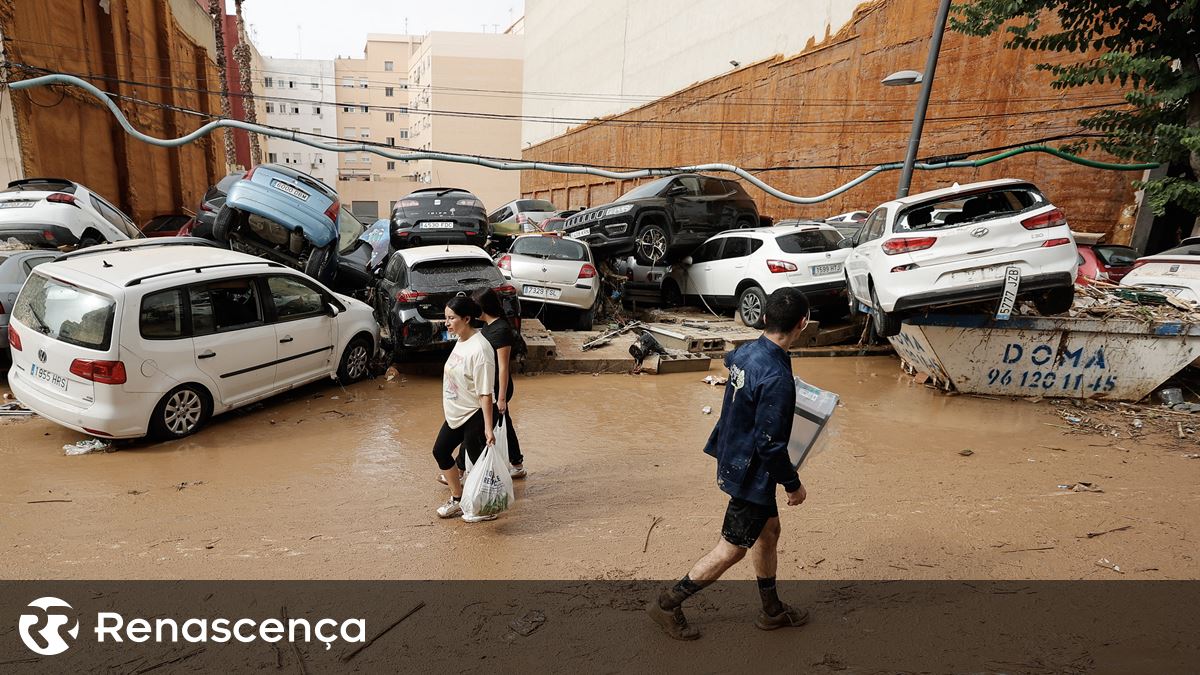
[(554, 270)]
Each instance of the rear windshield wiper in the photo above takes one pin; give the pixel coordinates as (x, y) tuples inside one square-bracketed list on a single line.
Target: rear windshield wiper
[(471, 280)]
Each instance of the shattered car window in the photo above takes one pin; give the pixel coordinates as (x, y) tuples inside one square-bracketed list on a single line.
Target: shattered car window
[(443, 275), (66, 313), (962, 210), (550, 248)]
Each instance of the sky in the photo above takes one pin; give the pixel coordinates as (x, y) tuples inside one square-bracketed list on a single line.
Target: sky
[(326, 29)]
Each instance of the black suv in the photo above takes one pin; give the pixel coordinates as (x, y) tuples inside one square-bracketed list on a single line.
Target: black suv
[(439, 216), (664, 219)]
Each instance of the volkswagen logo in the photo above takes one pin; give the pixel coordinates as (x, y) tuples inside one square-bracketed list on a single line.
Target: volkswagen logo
[(979, 232), (42, 355), (42, 630)]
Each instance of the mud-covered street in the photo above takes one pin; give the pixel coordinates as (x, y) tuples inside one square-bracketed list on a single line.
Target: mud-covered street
[(333, 484)]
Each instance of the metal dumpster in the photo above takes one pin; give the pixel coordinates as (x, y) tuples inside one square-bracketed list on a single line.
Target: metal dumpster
[(1117, 359)]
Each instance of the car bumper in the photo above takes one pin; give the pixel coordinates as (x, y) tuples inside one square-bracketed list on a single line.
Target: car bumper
[(272, 205), (609, 238), (106, 419), (578, 297), (819, 293), (990, 290), (410, 238)]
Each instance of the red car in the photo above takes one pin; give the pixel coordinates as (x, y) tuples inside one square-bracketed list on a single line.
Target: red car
[(1104, 262)]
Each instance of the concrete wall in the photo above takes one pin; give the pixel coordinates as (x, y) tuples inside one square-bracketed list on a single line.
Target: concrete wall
[(447, 74), (68, 134), (620, 54), (825, 107), (300, 87)]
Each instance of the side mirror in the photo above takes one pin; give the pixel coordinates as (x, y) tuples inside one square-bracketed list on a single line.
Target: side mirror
[(332, 309), (686, 262)]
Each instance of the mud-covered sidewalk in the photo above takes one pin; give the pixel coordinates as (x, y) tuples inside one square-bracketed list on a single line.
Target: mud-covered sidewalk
[(328, 483)]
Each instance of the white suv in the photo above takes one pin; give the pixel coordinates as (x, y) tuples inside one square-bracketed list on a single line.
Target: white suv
[(160, 334), (953, 246), (740, 268), (57, 212)]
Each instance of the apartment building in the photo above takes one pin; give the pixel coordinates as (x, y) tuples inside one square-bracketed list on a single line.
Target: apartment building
[(464, 90), (298, 94), (372, 96)]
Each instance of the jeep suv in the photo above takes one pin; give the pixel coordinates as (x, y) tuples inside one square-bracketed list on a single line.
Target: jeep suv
[(664, 219)]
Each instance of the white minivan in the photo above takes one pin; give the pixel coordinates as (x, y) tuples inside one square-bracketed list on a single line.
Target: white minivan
[(156, 336)]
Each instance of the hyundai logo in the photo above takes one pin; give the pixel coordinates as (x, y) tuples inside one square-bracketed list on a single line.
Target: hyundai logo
[(979, 232), (42, 355)]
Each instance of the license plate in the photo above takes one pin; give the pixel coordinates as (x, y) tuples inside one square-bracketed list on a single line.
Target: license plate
[(57, 381), (1165, 290), (541, 292), (821, 270), (293, 191), (1012, 280), (16, 205), (980, 274), (581, 233), (437, 226)]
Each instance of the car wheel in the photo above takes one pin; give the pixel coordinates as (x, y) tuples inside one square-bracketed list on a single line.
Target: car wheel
[(671, 295), (181, 412), (851, 301), (356, 361), (319, 264), (651, 244), (751, 303), (744, 223), (886, 325), (223, 224), (1055, 300), (86, 241)]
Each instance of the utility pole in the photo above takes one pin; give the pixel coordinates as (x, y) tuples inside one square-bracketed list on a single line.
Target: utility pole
[(914, 139), (218, 19), (242, 54)]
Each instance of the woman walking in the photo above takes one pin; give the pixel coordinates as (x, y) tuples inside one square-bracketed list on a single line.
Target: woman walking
[(500, 334), (468, 381)]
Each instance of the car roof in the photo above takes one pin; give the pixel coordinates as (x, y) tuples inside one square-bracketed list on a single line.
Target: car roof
[(422, 254), (777, 230), (954, 190), (121, 264)]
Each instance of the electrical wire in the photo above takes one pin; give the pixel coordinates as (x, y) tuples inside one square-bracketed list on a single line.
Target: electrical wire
[(47, 80)]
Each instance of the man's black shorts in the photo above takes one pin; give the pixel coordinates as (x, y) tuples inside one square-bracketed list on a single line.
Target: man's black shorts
[(744, 521)]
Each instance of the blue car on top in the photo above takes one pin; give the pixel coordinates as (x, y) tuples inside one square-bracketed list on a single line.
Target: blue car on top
[(282, 214)]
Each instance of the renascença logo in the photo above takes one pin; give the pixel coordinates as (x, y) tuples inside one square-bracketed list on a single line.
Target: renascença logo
[(42, 632)]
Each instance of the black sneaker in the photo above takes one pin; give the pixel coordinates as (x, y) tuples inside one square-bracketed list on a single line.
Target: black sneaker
[(673, 623)]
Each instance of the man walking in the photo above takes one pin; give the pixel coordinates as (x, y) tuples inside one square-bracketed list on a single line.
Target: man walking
[(750, 445)]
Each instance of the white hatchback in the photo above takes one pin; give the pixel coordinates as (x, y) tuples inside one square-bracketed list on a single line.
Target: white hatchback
[(1175, 272), (57, 212), (740, 268), (957, 245), (156, 336)]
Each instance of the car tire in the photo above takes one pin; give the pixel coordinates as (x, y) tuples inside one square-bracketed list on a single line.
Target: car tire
[(671, 295), (319, 264), (1055, 301), (356, 361), (886, 324), (652, 242), (851, 301), (87, 241), (744, 223), (181, 412), (223, 224), (585, 318), (751, 304)]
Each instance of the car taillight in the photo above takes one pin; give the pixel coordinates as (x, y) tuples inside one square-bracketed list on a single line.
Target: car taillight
[(1055, 242), (1052, 218), (505, 263), (48, 235), (250, 173), (332, 212), (411, 296), (505, 289), (408, 204), (587, 271), (101, 372), (777, 266), (907, 244), (14, 338), (62, 198)]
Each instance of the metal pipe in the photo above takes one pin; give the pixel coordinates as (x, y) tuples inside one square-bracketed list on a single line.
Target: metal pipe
[(914, 139)]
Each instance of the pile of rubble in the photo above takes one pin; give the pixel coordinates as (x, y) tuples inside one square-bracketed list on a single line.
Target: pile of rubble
[(1099, 300), (1131, 422)]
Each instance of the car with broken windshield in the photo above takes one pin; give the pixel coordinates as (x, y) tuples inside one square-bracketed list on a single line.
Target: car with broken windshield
[(958, 245)]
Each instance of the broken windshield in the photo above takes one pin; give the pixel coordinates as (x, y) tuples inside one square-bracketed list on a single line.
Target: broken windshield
[(958, 210)]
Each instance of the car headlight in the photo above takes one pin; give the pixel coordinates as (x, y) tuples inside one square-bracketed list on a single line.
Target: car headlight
[(618, 210)]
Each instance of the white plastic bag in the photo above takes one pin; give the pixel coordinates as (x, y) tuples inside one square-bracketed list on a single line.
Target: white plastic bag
[(488, 489)]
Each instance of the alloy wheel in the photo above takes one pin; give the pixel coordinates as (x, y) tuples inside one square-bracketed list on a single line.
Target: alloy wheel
[(356, 362), (751, 309), (653, 244), (182, 412)]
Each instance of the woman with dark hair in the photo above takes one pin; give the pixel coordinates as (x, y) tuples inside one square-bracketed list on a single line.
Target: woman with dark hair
[(468, 381), (500, 334)]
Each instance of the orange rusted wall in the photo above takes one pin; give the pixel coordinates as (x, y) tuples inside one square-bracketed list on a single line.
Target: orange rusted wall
[(64, 132), (826, 107)]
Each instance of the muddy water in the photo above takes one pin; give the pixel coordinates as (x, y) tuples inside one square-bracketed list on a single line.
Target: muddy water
[(333, 483)]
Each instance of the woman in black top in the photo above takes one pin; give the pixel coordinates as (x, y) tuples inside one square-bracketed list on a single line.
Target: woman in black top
[(502, 338)]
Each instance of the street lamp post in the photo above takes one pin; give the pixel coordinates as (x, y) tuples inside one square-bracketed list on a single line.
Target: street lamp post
[(926, 80)]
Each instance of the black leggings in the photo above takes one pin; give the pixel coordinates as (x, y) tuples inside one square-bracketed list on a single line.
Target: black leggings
[(469, 436), (514, 445)]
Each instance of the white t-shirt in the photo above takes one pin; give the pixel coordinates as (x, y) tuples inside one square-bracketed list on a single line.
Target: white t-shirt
[(470, 372)]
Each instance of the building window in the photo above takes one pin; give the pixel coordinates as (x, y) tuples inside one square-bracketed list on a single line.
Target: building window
[(389, 117), (366, 133), (389, 66), (295, 110), (389, 91), (404, 133), (272, 158), (404, 85), (291, 84), (315, 85), (348, 82), (362, 82), (316, 131), (316, 110), (268, 82), (351, 159), (270, 107), (365, 109), (366, 158), (320, 158), (391, 140), (391, 166), (348, 132)]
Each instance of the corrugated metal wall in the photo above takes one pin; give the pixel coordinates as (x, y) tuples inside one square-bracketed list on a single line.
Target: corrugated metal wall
[(826, 107)]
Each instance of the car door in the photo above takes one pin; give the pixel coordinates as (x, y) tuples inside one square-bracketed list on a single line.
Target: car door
[(304, 330), (232, 341), (721, 202), (865, 251), (728, 270), (690, 210), (698, 277)]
